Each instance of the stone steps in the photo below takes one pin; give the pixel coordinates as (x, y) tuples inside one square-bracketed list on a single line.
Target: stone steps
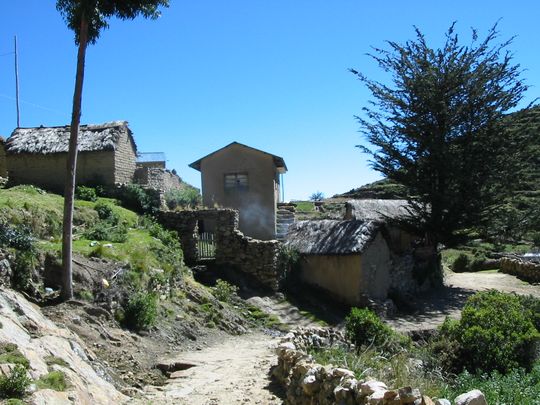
[(284, 219)]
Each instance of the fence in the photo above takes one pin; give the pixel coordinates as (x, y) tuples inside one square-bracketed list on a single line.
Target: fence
[(206, 246)]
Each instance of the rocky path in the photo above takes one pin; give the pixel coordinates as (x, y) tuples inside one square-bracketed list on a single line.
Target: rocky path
[(235, 371)]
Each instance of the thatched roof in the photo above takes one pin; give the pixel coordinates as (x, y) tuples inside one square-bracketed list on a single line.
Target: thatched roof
[(376, 210), (45, 140), (328, 237)]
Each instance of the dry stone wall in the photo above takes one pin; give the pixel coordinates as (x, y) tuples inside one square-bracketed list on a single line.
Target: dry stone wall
[(307, 382), (157, 178), (525, 270), (260, 260)]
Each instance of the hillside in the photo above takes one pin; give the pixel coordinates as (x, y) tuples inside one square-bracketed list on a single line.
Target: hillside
[(382, 189)]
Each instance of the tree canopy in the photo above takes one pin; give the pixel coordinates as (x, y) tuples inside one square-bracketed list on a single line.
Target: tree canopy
[(98, 11), (437, 128)]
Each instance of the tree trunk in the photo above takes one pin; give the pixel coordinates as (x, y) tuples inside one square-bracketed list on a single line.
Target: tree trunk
[(69, 190)]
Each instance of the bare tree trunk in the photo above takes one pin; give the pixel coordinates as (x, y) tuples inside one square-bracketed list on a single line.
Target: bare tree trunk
[(69, 190)]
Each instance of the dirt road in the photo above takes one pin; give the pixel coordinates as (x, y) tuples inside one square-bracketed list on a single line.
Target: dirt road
[(232, 372)]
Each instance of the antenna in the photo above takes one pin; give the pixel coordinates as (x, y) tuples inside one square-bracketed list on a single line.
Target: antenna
[(17, 85)]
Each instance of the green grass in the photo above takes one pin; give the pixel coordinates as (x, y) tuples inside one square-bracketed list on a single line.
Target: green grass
[(304, 206), (9, 353), (51, 360), (55, 380)]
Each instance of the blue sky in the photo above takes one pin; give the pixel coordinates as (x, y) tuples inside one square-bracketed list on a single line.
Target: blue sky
[(271, 74)]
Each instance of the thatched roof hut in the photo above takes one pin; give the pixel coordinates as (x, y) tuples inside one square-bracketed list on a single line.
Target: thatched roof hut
[(46, 140), (329, 237)]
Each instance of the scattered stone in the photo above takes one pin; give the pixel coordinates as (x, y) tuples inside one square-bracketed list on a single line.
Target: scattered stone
[(442, 401), (369, 387)]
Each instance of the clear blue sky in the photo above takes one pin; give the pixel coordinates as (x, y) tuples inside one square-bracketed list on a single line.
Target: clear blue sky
[(271, 74)]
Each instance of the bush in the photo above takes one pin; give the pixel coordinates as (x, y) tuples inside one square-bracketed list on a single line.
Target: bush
[(224, 291), (140, 311), (23, 269), (496, 332), (536, 239), (467, 263), (317, 196), (363, 327), (136, 198), (187, 197), (19, 237), (86, 193), (16, 384), (106, 213), (104, 231)]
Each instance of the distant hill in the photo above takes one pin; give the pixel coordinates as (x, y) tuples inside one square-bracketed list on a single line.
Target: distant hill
[(382, 189)]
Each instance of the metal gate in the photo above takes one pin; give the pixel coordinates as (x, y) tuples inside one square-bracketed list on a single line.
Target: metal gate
[(206, 246)]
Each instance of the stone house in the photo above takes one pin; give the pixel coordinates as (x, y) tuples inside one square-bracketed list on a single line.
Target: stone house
[(362, 257), (107, 155), (247, 179)]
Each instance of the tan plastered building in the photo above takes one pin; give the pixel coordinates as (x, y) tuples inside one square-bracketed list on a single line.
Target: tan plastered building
[(247, 179)]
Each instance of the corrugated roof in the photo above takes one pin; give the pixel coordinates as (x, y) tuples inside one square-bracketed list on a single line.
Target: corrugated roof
[(329, 237), (278, 161), (44, 140), (148, 157)]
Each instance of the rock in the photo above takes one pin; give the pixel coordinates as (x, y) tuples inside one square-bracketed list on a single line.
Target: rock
[(286, 346), (442, 401), (310, 385), (369, 387), (409, 395), (104, 283), (48, 397), (474, 397), (342, 372), (377, 397)]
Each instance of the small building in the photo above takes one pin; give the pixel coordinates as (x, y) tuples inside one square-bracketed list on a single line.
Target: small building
[(151, 159), (363, 257), (107, 155), (247, 179)]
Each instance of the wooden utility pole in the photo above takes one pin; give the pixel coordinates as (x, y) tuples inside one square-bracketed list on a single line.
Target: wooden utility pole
[(17, 85)]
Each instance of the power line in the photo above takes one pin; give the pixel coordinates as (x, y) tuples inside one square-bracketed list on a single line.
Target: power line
[(32, 104)]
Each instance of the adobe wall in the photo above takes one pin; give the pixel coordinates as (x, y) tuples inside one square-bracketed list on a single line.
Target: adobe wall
[(255, 258), (3, 166), (49, 171), (124, 160)]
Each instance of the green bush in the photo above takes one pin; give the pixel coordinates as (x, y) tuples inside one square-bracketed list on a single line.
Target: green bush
[(10, 353), (106, 213), (224, 291), (536, 239), (23, 269), (468, 263), (140, 312), (86, 193), (495, 332), (136, 198), (363, 327), (104, 231), (19, 237), (16, 384), (187, 197)]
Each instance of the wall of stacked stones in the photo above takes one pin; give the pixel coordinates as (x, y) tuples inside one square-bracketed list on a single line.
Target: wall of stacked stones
[(307, 382), (260, 260), (525, 270), (157, 178)]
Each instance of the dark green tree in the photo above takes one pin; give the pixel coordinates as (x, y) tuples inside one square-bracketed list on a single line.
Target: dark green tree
[(87, 18), (437, 128)]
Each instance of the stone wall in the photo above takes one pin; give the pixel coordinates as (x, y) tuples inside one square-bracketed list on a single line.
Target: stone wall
[(525, 270), (124, 159), (260, 260), (306, 382), (157, 178)]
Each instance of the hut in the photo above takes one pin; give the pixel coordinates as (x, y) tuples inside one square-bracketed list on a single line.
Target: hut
[(107, 155), (363, 257)]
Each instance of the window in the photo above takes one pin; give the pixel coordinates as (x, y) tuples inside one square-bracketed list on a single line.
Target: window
[(236, 182)]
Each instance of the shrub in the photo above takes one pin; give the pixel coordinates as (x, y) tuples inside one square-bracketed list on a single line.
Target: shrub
[(461, 264), (140, 311), (86, 193), (317, 196), (187, 197), (536, 239), (496, 332), (55, 380), (25, 263), (19, 237), (104, 231), (363, 327), (224, 291), (106, 213), (136, 198), (15, 385), (11, 354)]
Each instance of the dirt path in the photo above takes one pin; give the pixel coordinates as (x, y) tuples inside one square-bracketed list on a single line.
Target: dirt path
[(232, 372), (438, 304)]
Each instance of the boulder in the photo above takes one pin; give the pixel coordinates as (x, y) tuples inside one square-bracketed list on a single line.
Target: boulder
[(474, 397), (369, 387)]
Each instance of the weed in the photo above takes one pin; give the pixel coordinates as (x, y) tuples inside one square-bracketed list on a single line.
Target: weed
[(9, 353), (86, 295), (55, 380), (187, 197), (25, 263), (14, 385), (86, 193), (51, 360), (225, 291)]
